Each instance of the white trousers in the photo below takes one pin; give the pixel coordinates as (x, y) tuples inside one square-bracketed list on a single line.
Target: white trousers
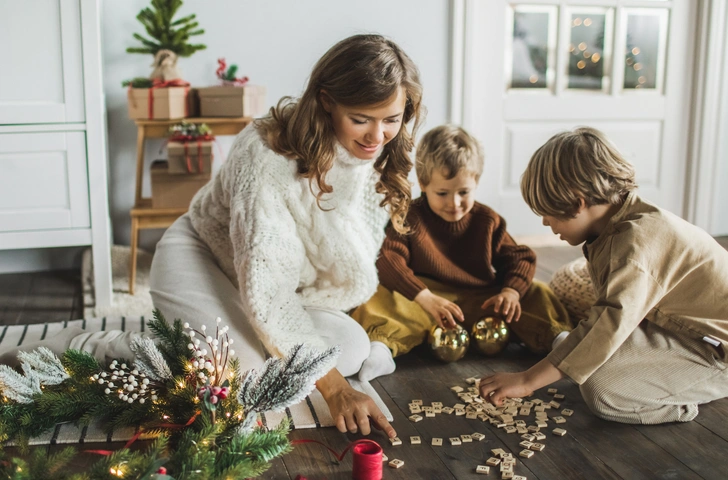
[(187, 283)]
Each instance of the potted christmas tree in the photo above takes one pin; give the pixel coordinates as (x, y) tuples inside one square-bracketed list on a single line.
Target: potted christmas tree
[(164, 94), (234, 97)]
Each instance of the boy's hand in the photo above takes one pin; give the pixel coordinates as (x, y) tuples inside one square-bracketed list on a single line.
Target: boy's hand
[(506, 303), (442, 310), (497, 387)]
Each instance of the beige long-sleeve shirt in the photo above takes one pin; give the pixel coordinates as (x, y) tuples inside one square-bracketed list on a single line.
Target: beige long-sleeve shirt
[(648, 264)]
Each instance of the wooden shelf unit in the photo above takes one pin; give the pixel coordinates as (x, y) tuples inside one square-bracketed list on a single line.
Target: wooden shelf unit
[(143, 215)]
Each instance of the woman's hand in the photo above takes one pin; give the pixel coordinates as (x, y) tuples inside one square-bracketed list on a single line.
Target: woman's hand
[(506, 303), (351, 410), (442, 310)]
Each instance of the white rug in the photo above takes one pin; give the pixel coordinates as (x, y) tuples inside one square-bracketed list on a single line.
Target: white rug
[(139, 304), (310, 413)]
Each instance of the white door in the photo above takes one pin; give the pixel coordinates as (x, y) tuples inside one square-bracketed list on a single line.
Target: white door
[(533, 69), (43, 181), (41, 68)]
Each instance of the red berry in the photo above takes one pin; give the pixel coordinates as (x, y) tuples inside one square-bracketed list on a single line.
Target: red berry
[(162, 471)]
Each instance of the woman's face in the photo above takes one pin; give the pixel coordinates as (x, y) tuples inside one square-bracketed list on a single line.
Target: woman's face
[(363, 131)]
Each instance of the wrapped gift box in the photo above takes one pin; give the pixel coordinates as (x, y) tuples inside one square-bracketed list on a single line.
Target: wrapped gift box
[(174, 191), (245, 101), (165, 103), (189, 157)]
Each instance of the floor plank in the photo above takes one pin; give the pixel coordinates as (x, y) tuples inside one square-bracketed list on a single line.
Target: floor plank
[(714, 417), (14, 290), (698, 448), (40, 297)]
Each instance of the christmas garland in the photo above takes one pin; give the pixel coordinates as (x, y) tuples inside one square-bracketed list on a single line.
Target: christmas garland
[(184, 386)]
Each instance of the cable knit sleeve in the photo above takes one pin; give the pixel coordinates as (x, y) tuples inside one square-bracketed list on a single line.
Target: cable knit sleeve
[(268, 253), (515, 265), (393, 265)]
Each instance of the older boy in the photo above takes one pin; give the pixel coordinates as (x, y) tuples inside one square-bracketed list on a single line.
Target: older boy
[(654, 345), (457, 262)]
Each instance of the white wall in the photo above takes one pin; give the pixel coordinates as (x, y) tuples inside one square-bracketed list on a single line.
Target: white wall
[(275, 43), (719, 222)]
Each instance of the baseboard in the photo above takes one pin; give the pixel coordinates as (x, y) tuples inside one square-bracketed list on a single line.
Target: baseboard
[(40, 259)]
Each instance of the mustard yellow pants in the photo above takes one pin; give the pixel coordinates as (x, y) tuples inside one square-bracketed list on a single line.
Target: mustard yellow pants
[(401, 324)]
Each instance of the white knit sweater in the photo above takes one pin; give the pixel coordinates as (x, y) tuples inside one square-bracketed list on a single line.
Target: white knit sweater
[(284, 253)]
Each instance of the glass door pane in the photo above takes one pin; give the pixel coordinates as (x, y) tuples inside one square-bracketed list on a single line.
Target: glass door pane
[(532, 41), (644, 48), (590, 46)]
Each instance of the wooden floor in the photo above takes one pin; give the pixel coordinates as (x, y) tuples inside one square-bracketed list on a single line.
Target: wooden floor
[(592, 448)]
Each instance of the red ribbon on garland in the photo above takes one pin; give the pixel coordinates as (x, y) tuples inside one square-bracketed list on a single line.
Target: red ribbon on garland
[(141, 431)]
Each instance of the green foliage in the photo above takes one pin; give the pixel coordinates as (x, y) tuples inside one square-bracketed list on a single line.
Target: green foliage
[(172, 342), (138, 82), (165, 32), (230, 74)]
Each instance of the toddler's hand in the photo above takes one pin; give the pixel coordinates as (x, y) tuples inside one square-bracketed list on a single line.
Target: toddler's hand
[(506, 303), (442, 310)]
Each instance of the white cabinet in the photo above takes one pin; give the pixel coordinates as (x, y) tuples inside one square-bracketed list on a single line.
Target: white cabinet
[(44, 183), (41, 63), (53, 160)]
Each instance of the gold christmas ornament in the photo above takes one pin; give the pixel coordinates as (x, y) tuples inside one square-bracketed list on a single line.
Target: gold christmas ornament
[(490, 335), (448, 345)]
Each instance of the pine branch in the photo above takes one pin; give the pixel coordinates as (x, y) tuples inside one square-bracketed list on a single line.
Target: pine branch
[(45, 364), (80, 365), (284, 382), (172, 342)]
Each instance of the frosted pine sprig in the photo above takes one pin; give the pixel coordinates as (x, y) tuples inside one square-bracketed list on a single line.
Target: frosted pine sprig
[(46, 365), (285, 381), (17, 386), (149, 360)]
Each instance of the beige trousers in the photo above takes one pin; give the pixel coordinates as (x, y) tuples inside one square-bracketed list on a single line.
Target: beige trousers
[(656, 377)]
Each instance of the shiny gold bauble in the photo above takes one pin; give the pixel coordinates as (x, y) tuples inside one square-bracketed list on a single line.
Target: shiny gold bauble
[(490, 335), (448, 345)]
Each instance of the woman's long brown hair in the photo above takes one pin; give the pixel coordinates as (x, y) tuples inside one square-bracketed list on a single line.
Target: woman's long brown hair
[(361, 70)]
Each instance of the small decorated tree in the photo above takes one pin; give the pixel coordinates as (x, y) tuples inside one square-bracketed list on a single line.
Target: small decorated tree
[(165, 32)]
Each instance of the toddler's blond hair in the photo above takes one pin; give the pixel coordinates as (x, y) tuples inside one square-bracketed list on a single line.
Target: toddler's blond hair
[(450, 150), (581, 163)]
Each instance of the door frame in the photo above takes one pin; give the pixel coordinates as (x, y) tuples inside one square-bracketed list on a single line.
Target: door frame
[(707, 112)]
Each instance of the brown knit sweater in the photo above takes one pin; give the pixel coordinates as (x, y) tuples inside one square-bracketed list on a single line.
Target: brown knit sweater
[(473, 252)]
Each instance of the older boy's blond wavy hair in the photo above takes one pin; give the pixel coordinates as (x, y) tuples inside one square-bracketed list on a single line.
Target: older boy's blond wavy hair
[(361, 70), (449, 150), (581, 163)]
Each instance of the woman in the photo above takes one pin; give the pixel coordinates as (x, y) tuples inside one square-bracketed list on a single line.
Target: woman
[(283, 240)]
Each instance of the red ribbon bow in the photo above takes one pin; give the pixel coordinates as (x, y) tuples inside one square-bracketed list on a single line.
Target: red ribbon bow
[(185, 139), (158, 83)]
